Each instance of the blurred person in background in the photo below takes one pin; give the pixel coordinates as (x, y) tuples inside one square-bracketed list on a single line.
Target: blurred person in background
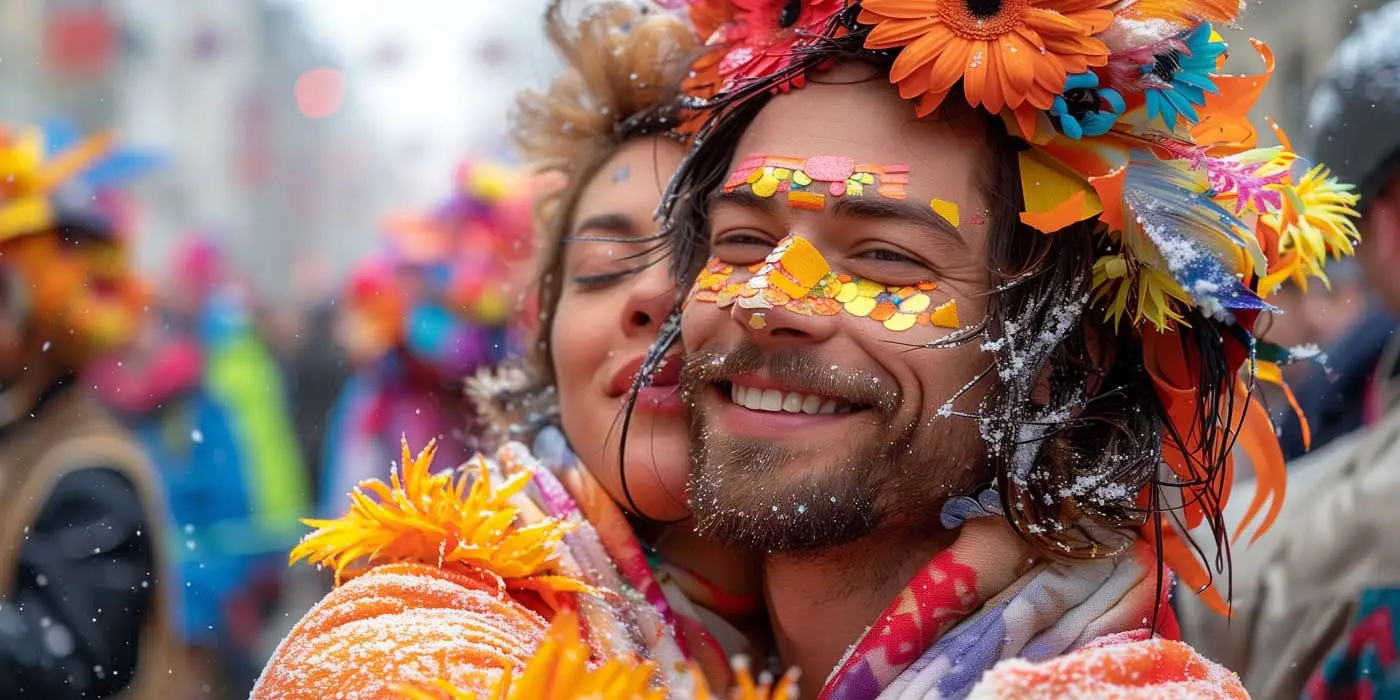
[(207, 300), (419, 319), (318, 364), (668, 595), (1316, 599), (82, 521), (156, 387)]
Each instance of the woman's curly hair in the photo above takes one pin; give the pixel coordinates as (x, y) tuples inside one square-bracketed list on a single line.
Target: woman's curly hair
[(623, 66)]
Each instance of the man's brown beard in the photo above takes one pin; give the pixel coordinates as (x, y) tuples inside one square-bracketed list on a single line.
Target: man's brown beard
[(754, 494)]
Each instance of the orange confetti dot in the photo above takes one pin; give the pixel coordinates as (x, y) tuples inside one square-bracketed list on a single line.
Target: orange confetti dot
[(883, 311)]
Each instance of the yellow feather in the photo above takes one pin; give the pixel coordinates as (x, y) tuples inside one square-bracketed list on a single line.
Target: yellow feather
[(440, 519)]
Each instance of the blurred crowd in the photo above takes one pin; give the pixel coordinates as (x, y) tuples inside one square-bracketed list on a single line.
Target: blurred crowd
[(249, 416), (216, 420)]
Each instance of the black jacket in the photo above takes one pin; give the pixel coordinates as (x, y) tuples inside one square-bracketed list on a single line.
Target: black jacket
[(85, 583)]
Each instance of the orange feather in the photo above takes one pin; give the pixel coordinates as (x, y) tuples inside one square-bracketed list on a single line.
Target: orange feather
[(1184, 12)]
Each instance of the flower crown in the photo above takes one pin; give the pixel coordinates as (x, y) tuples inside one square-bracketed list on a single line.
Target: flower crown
[(1132, 129), (1127, 119)]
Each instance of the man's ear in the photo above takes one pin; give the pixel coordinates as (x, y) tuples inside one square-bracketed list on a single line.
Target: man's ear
[(1098, 341)]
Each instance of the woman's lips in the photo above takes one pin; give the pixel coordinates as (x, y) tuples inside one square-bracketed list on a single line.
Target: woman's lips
[(661, 395)]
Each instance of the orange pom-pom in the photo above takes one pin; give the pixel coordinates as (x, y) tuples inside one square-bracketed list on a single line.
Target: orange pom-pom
[(1148, 670)]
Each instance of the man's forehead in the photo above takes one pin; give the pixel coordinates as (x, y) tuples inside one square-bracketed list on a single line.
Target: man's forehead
[(865, 124), (816, 122)]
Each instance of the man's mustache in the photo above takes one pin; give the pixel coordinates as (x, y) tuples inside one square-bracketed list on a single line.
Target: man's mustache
[(800, 370)]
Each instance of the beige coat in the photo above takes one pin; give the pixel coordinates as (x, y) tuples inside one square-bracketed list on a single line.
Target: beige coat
[(1296, 590), (73, 432)]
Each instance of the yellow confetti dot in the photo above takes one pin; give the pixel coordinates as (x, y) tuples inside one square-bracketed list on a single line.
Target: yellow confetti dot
[(869, 289), (900, 322), (800, 178), (848, 292), (758, 322), (916, 303), (766, 186), (948, 211), (860, 306)]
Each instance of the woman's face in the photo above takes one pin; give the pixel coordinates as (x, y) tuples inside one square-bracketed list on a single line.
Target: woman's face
[(606, 321)]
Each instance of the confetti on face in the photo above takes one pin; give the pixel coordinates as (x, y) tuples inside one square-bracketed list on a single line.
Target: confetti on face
[(947, 210), (798, 279), (621, 173), (808, 182)]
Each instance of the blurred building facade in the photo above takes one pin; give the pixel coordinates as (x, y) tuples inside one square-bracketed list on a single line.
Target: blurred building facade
[(209, 85)]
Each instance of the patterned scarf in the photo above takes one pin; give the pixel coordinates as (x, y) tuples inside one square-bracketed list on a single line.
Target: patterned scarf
[(973, 606), (603, 551)]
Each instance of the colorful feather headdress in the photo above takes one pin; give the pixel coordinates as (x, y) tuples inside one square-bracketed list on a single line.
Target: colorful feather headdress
[(52, 180), (442, 290), (1130, 126)]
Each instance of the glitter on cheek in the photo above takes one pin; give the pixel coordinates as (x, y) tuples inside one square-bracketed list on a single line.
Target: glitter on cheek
[(796, 278)]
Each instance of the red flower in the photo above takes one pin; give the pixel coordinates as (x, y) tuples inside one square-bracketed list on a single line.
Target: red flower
[(762, 37)]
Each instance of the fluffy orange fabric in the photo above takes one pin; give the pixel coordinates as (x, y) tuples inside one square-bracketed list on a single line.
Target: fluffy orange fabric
[(456, 591), (1145, 670), (402, 624)]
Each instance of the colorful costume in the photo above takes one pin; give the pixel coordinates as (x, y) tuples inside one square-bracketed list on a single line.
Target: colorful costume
[(82, 578), (423, 318)]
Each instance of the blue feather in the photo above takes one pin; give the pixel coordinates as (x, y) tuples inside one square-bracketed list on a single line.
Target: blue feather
[(1198, 240)]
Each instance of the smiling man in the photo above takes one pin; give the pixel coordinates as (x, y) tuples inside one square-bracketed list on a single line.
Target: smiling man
[(960, 367)]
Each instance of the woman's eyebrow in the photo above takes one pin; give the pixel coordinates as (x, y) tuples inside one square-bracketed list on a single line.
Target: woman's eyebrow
[(612, 223)]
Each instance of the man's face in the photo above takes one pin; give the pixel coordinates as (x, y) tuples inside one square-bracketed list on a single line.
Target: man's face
[(817, 416)]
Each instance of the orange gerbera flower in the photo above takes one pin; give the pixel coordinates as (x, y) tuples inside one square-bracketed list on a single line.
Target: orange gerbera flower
[(1007, 53)]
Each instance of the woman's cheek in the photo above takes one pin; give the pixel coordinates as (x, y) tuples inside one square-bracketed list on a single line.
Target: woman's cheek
[(580, 348)]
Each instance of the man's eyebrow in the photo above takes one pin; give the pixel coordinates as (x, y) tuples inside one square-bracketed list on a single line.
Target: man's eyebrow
[(871, 208), (743, 198)]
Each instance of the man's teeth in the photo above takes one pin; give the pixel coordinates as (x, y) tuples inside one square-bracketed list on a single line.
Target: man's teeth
[(774, 401)]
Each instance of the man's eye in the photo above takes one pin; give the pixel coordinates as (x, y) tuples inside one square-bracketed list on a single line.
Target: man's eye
[(743, 239), (884, 255)]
